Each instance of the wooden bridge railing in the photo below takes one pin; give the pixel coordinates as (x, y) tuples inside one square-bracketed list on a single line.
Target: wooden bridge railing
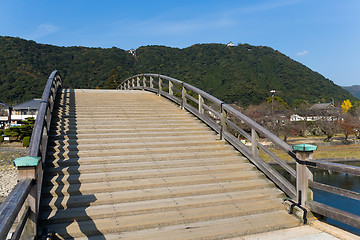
[(22, 204), (230, 124)]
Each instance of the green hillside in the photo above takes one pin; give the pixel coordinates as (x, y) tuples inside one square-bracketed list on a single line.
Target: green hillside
[(244, 74)]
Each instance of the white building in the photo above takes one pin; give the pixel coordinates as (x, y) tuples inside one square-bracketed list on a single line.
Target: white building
[(230, 44), (25, 110)]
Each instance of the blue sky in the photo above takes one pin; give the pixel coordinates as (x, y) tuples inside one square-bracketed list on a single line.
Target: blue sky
[(324, 35)]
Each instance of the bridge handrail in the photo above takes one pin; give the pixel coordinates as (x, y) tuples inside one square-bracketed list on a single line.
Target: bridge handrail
[(19, 197), (326, 210), (252, 155), (220, 121)]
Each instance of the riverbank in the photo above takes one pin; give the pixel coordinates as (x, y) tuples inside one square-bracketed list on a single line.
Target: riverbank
[(8, 172), (342, 153)]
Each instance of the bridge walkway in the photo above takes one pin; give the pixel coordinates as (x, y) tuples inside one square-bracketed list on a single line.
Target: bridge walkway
[(133, 165)]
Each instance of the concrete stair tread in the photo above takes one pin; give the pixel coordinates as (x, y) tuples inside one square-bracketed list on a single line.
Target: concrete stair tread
[(255, 188), (211, 227), (140, 158), (142, 183), (130, 164), (139, 151), (154, 133), (150, 164), (101, 145), (110, 126), (133, 139), (137, 130), (172, 206), (235, 169)]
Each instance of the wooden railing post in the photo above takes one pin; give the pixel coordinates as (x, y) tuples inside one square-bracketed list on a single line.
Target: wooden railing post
[(133, 83), (151, 82), (201, 102), (144, 83), (31, 167), (254, 143), (183, 97), (171, 88), (222, 120), (304, 152), (128, 84), (138, 82), (160, 87)]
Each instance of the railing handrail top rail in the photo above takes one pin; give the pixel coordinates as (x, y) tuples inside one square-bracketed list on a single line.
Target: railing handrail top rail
[(36, 134), (262, 130), (275, 139)]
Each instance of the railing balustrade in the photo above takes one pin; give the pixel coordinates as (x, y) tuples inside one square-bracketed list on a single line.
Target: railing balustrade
[(224, 119), (23, 202)]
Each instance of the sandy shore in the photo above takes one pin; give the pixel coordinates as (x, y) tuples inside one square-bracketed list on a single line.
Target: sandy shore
[(8, 172), (8, 180)]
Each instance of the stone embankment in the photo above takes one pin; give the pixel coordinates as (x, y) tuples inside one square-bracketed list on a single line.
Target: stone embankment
[(8, 173)]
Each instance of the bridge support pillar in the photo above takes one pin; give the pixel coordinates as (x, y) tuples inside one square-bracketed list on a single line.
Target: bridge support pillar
[(29, 167), (304, 152)]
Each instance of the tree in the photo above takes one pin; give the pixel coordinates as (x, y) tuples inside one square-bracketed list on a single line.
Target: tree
[(25, 130), (328, 127), (113, 80), (346, 106), (348, 125)]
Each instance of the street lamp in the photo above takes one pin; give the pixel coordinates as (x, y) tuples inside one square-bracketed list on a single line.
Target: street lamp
[(272, 100)]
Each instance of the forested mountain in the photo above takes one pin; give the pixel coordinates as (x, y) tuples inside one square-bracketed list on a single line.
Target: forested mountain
[(244, 74), (354, 90)]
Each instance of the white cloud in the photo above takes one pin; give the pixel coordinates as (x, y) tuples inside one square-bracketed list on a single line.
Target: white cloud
[(302, 53), (44, 30)]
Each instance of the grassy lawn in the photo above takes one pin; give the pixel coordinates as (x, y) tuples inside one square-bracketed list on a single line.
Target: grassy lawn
[(344, 151)]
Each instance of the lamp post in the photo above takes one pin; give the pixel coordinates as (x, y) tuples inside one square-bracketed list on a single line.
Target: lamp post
[(272, 100)]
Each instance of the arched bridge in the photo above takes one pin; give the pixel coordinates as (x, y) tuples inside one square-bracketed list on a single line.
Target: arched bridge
[(156, 159)]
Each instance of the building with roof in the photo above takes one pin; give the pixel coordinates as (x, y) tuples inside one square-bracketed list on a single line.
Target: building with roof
[(5, 114), (322, 106), (25, 110), (132, 52), (230, 44)]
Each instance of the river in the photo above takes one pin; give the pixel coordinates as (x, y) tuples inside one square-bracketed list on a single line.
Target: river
[(342, 180)]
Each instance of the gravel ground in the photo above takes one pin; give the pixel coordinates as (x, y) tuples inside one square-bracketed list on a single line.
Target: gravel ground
[(8, 173)]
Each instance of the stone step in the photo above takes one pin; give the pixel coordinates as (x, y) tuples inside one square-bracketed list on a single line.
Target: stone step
[(131, 164), (125, 166), (198, 223), (73, 108), (155, 133), (134, 139), (121, 123), (219, 191), (56, 162), (138, 151), (128, 129), (64, 188), (164, 205), (116, 145), (129, 115), (62, 177)]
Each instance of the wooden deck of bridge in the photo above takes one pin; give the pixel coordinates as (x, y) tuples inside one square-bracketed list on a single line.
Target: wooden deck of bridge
[(132, 165)]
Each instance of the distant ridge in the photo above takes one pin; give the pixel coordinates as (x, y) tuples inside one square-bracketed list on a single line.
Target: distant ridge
[(242, 74), (354, 90)]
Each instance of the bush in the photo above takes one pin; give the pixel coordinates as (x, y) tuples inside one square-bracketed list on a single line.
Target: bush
[(1, 138), (26, 141)]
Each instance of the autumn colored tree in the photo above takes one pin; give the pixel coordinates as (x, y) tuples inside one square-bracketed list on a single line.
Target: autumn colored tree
[(346, 106)]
